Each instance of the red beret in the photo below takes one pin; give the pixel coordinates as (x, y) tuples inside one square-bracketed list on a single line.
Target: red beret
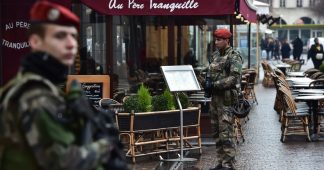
[(222, 33), (48, 12)]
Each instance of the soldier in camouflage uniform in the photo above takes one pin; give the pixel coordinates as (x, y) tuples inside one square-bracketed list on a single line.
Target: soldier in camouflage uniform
[(34, 111), (225, 70)]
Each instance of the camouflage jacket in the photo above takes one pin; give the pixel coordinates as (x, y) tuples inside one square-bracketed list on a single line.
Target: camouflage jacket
[(32, 135), (225, 72)]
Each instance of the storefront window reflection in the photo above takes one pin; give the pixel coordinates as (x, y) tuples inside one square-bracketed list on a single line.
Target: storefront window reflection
[(139, 45), (92, 52)]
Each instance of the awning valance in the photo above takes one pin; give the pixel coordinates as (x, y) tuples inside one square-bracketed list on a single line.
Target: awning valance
[(172, 7)]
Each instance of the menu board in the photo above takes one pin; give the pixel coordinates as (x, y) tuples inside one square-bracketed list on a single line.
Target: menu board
[(95, 87), (93, 91), (180, 78)]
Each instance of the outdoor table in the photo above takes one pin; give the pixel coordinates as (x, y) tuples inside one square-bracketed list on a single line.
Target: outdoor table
[(318, 91), (299, 82), (313, 99), (296, 74), (283, 67), (299, 79)]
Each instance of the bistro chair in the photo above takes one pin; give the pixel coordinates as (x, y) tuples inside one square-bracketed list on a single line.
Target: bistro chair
[(295, 66), (294, 122), (109, 104), (278, 104), (267, 79), (310, 72), (279, 73), (320, 119), (320, 76), (316, 75), (317, 84), (249, 92)]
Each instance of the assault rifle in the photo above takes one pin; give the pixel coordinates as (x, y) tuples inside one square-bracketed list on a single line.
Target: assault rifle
[(98, 124)]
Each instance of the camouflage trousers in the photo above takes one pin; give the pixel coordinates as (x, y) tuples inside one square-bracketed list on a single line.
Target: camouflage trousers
[(222, 121)]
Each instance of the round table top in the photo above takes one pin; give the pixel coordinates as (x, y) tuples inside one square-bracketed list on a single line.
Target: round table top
[(283, 65), (311, 91), (296, 74), (310, 97)]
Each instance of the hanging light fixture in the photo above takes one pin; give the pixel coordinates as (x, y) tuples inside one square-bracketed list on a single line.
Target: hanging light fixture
[(238, 16)]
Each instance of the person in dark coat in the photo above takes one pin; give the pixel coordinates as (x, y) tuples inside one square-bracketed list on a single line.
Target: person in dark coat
[(298, 48), (270, 45), (276, 50), (285, 49), (316, 53)]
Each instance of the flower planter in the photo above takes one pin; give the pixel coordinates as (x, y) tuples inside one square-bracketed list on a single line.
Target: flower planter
[(158, 132)]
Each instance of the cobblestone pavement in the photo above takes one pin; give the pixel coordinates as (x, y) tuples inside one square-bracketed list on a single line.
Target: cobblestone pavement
[(262, 148)]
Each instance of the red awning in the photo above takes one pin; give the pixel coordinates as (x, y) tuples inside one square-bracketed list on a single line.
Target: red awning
[(247, 11), (171, 7)]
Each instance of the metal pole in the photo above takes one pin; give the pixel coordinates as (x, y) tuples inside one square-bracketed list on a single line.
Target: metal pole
[(249, 45), (181, 127), (181, 159)]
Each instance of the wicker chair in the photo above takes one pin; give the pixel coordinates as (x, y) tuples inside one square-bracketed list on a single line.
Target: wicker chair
[(310, 72), (316, 75), (295, 66), (249, 92), (294, 122), (267, 79)]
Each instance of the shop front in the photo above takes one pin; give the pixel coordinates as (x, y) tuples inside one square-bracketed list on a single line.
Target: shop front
[(129, 39)]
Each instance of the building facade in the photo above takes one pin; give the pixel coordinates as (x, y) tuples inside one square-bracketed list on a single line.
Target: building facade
[(298, 18)]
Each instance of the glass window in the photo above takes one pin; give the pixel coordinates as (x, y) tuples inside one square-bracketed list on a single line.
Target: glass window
[(299, 3), (293, 34), (141, 44), (282, 3), (312, 3), (92, 52), (282, 35), (305, 35)]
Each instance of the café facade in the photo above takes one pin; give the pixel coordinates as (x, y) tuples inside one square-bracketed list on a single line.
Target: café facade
[(130, 39)]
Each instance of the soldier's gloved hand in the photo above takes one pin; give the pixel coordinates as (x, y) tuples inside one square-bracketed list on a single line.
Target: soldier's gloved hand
[(208, 87), (77, 102), (80, 106)]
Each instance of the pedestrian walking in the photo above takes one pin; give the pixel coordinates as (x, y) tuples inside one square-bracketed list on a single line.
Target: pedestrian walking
[(276, 49), (316, 53), (269, 49), (285, 50), (225, 70), (297, 48), (40, 126)]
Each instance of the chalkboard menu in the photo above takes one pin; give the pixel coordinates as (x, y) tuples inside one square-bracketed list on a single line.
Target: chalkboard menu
[(93, 91), (95, 87)]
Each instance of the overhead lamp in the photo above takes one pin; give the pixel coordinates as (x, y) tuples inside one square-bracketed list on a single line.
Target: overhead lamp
[(273, 21), (265, 19), (238, 16)]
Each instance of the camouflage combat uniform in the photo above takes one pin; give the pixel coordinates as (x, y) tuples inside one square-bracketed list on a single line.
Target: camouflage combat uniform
[(225, 72), (32, 128)]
